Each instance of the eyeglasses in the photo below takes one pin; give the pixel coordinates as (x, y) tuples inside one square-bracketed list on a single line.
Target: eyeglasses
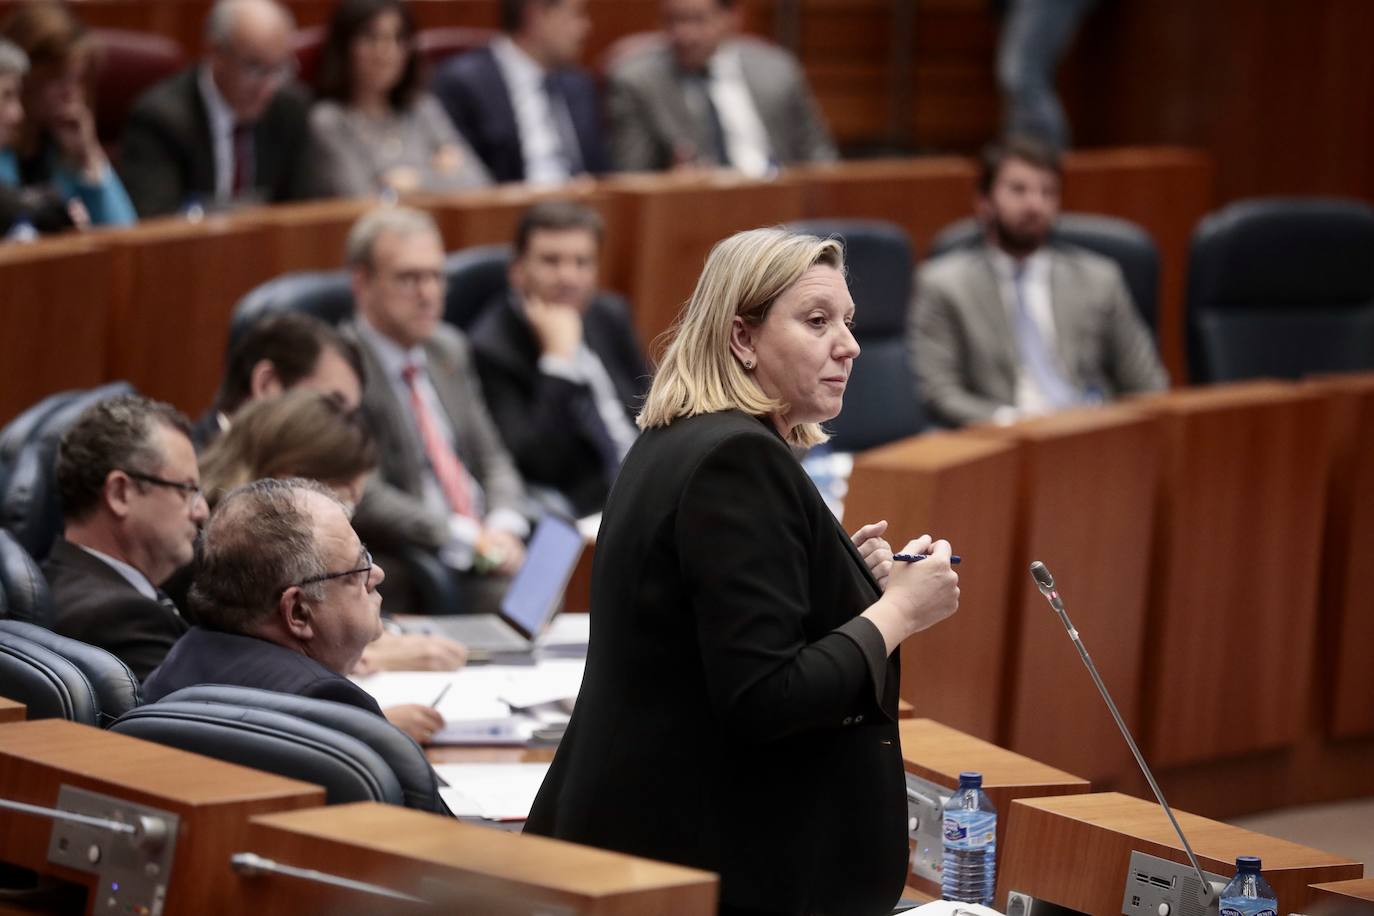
[(366, 569), (191, 491)]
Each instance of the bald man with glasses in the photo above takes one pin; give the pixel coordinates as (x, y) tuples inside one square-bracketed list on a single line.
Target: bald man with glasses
[(132, 507), (285, 598)]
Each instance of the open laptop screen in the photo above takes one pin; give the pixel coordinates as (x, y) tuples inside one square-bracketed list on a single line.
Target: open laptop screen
[(537, 588)]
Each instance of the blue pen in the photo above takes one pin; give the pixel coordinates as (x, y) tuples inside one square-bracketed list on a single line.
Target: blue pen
[(917, 557)]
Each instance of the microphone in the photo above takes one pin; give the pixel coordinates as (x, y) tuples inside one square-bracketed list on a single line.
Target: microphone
[(1208, 892)]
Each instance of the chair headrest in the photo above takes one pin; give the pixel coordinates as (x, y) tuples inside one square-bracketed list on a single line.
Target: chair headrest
[(476, 276), (24, 592), (1281, 252), (48, 684), (405, 758), (325, 294), (116, 689), (276, 742)]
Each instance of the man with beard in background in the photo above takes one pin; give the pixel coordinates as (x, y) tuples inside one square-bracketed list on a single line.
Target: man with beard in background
[(1019, 325)]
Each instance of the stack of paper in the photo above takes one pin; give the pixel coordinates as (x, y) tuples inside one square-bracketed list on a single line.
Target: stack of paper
[(495, 791)]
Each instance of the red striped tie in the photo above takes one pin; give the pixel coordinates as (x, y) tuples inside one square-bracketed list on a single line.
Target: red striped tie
[(448, 469)]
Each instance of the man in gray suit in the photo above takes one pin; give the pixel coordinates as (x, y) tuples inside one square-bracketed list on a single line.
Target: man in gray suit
[(707, 96), (445, 482), (1015, 326)]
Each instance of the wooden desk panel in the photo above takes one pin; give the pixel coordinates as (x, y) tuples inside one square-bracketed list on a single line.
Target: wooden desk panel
[(213, 799), (54, 308), (1237, 552), (1167, 190), (1086, 509), (1074, 851), (1344, 898), (960, 488), (1346, 628), (671, 222), (174, 287), (12, 710), (416, 853), (939, 754), (306, 236), (921, 195)]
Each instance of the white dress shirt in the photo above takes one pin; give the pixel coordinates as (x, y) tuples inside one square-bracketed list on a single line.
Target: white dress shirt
[(746, 140), (534, 114), (222, 123), (1035, 286)]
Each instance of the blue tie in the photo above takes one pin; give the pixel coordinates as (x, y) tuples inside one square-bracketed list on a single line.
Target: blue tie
[(1035, 355)]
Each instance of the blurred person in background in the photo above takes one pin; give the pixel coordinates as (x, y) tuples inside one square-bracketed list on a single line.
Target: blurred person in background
[(375, 127)]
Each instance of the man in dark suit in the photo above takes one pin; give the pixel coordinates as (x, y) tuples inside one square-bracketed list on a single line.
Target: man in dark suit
[(561, 367), (446, 482), (707, 96), (285, 598), (521, 102), (131, 497), (232, 128)]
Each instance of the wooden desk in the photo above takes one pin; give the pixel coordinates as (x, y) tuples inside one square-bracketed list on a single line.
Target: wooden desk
[(173, 289), (1236, 560), (55, 311), (306, 236), (1074, 851), (1086, 499), (213, 800), (961, 488), (421, 854), (1344, 898), (12, 710), (939, 754), (1346, 628)]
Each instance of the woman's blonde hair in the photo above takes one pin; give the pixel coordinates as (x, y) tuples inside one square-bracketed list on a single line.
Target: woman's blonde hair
[(744, 275), (301, 433)]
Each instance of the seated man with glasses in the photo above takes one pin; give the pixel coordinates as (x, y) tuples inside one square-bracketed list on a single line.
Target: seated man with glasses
[(285, 598), (232, 128), (132, 505)]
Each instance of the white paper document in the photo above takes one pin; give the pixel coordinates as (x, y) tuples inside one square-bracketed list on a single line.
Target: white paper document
[(495, 791)]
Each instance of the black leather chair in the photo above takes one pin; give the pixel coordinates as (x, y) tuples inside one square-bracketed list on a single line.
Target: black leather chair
[(29, 505), (21, 429), (326, 294), (476, 276), (881, 403), (320, 745), (1281, 288), (1124, 242), (57, 677), (24, 592), (419, 783)]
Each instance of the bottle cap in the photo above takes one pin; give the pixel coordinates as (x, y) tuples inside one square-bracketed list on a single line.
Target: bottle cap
[(970, 780), (1248, 863)]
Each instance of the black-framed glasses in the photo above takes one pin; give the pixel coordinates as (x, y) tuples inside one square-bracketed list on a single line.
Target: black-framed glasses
[(366, 569), (191, 491)]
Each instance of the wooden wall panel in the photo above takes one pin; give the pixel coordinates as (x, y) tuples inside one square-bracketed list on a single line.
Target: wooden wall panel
[(175, 285), (1086, 509), (1237, 552), (961, 488), (55, 310)]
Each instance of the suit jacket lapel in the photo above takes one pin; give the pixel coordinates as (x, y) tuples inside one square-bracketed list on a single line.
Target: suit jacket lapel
[(1065, 306), (443, 370), (384, 411), (996, 328), (759, 82)]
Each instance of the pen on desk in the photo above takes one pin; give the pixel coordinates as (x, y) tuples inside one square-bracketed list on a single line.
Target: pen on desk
[(442, 693), (916, 557)]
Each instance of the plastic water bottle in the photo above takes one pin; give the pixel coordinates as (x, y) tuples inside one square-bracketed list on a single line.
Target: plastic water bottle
[(969, 871), (1248, 894)]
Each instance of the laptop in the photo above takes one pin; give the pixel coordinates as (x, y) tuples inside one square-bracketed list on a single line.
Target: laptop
[(529, 604)]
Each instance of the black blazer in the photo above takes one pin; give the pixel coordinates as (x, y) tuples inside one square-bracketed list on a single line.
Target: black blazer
[(166, 156), (536, 413), (736, 714), (211, 657), (474, 93), (92, 602)]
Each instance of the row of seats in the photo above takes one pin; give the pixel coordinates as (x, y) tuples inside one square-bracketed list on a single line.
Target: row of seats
[(354, 754)]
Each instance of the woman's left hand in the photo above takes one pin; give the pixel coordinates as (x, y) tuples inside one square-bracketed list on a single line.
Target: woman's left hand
[(877, 553)]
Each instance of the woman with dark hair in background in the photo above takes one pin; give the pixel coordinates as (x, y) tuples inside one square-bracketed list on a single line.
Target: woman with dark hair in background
[(375, 127), (310, 434), (56, 147)]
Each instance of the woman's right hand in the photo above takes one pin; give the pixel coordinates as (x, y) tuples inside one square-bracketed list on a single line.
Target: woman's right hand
[(919, 595)]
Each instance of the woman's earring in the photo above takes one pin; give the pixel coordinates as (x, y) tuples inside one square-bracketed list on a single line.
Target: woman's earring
[(748, 364)]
